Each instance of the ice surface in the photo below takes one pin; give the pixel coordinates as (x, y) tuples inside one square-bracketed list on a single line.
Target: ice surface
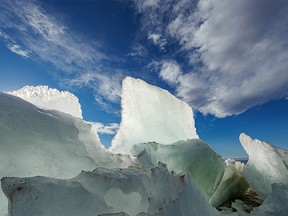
[(50, 99), (217, 181), (275, 204), (267, 164), (46, 142), (49, 143), (153, 191), (35, 141), (194, 156), (232, 184), (151, 114)]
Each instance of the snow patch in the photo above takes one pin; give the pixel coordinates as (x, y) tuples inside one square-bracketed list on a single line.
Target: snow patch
[(50, 99)]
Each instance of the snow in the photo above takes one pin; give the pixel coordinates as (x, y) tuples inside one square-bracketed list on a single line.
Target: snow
[(267, 164), (50, 99), (136, 191), (151, 114)]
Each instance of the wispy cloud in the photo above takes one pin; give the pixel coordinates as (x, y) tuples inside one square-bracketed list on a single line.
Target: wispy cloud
[(138, 50), (3, 36), (18, 50), (47, 37), (170, 71), (146, 4), (30, 31), (109, 87), (111, 128), (236, 52), (158, 40), (13, 47)]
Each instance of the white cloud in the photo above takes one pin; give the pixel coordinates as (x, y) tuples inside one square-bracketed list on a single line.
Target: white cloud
[(237, 51), (18, 50), (170, 72), (111, 128), (3, 35), (106, 88), (46, 36), (146, 4), (13, 47), (138, 51), (48, 39), (158, 40), (110, 86)]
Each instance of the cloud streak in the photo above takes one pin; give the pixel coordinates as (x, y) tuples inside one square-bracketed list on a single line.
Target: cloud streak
[(235, 52), (18, 50), (30, 31), (109, 87), (13, 47), (46, 37), (111, 128), (158, 40)]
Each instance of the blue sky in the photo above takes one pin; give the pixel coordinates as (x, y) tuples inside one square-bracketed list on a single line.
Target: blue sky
[(227, 60)]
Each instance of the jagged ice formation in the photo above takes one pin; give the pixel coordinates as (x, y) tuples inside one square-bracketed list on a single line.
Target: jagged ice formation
[(156, 128)]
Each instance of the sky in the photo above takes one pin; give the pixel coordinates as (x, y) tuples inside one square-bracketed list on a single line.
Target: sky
[(226, 59)]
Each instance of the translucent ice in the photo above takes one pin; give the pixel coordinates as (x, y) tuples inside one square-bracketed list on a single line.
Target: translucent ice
[(156, 127), (41, 142), (151, 114), (232, 184), (51, 99), (194, 156), (142, 191), (267, 164)]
